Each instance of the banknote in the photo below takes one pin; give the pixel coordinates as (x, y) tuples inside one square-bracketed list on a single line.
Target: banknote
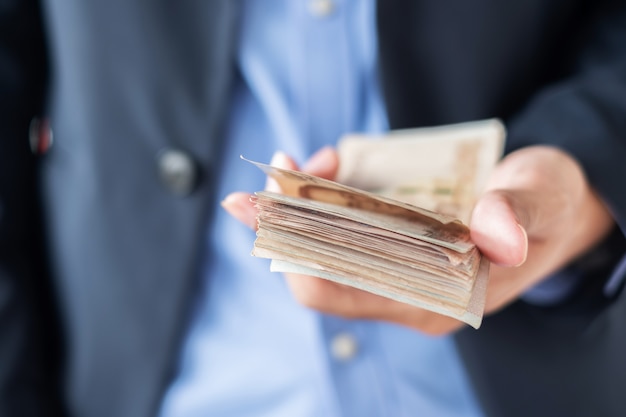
[(395, 221), (348, 201), (442, 169), (472, 314)]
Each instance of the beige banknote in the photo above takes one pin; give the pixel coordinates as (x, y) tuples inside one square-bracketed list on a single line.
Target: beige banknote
[(395, 222), (442, 169)]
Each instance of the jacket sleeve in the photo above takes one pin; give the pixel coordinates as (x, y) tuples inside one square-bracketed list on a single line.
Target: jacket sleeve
[(567, 359), (585, 114), (29, 351)]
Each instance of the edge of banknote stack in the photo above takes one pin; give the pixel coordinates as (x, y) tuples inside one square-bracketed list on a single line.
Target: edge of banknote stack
[(377, 244)]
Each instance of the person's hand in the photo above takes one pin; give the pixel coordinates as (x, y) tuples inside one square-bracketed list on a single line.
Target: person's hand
[(537, 214)]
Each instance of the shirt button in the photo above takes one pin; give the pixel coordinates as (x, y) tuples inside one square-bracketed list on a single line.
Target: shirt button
[(178, 172), (40, 136), (321, 8), (343, 347)]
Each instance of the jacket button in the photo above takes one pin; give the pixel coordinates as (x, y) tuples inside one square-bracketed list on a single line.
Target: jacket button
[(178, 172), (40, 136)]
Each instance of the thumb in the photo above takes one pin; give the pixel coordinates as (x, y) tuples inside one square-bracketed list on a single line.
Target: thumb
[(499, 227)]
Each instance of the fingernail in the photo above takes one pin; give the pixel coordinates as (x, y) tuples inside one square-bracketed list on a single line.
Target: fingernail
[(525, 245), (229, 201)]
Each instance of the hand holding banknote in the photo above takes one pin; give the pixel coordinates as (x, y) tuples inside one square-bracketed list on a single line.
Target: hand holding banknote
[(536, 214)]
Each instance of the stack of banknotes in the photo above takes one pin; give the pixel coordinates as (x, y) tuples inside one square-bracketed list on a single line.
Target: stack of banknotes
[(394, 223)]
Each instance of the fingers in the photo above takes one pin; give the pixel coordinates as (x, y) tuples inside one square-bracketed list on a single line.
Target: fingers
[(239, 206), (348, 302), (324, 163), (279, 160)]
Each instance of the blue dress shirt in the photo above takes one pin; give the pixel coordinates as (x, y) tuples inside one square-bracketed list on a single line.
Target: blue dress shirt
[(308, 76)]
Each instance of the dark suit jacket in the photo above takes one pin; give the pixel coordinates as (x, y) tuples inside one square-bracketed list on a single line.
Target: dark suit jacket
[(125, 82)]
